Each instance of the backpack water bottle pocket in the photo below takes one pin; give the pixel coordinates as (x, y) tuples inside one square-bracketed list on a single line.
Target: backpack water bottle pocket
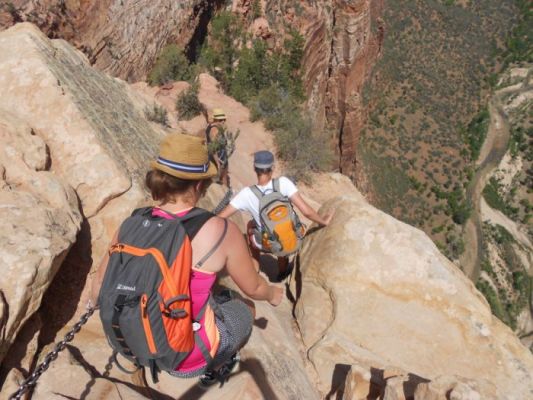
[(146, 325)]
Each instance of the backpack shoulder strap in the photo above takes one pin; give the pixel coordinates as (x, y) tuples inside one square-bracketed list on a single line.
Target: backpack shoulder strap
[(275, 184), (215, 247), (255, 190), (141, 211), (194, 220), (208, 133)]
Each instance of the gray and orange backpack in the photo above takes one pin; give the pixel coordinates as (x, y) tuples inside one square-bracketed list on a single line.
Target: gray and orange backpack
[(281, 230), (145, 299)]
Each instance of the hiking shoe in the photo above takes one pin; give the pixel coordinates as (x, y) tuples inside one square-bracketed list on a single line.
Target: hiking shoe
[(229, 365), (209, 378)]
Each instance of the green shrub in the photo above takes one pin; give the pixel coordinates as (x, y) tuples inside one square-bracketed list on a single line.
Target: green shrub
[(188, 105), (171, 65), (253, 73), (157, 114), (492, 298), (520, 42), (273, 105), (476, 132), (221, 50), (257, 11), (492, 195), (303, 150), (260, 68)]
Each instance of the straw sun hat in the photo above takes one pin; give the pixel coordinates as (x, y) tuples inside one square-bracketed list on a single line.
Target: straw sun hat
[(184, 157)]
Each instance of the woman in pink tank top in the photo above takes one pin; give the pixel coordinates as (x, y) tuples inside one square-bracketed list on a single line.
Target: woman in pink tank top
[(178, 179)]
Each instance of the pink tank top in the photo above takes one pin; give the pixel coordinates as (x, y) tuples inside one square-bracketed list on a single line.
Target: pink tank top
[(200, 286)]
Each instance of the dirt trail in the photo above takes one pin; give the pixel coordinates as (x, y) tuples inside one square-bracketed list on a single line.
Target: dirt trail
[(493, 150)]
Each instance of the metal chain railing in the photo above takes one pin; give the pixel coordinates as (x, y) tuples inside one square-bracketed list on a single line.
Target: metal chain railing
[(31, 381), (224, 202)]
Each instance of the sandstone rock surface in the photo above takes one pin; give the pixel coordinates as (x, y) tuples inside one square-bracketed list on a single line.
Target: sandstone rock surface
[(93, 125), (40, 220), (84, 136), (377, 291)]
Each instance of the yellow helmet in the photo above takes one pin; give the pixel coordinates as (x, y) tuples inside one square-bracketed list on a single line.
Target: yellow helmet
[(218, 114)]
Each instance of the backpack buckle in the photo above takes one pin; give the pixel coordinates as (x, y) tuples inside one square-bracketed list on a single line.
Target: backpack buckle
[(196, 326), (176, 313)]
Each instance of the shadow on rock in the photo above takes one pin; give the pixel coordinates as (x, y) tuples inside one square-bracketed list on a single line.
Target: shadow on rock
[(338, 381), (251, 365), (60, 301), (140, 385)]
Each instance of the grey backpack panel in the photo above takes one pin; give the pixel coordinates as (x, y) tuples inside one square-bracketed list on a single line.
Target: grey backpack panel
[(128, 277)]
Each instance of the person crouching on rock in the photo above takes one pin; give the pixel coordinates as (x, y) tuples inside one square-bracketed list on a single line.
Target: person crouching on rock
[(250, 199), (178, 179)]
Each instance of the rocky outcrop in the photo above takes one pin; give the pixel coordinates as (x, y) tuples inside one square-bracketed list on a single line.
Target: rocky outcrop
[(40, 219), (93, 125), (376, 291), (77, 145), (121, 38)]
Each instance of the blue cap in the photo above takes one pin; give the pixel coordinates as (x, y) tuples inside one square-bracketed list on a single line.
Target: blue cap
[(263, 159)]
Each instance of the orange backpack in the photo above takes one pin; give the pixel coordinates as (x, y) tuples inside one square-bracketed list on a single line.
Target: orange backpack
[(281, 230)]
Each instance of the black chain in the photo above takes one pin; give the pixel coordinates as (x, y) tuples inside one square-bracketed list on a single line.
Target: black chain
[(224, 202), (31, 381)]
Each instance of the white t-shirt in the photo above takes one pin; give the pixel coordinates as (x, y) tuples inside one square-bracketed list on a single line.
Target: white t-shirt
[(247, 201)]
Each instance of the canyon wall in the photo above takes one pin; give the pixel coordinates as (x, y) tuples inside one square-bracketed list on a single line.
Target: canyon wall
[(342, 47), (342, 42), (122, 38)]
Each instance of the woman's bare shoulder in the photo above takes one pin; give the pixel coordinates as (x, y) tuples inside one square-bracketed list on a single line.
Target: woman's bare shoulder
[(214, 228)]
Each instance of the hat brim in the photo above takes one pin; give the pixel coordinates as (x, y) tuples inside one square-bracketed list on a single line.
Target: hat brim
[(192, 176), (263, 166)]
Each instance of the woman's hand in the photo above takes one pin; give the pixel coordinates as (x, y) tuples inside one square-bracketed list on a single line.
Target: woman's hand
[(327, 218)]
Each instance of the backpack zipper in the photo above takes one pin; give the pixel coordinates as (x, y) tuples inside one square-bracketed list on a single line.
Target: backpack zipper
[(146, 324), (159, 258)]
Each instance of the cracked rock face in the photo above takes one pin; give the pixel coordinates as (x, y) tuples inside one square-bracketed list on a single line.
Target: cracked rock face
[(376, 290), (122, 38), (40, 219), (93, 125)]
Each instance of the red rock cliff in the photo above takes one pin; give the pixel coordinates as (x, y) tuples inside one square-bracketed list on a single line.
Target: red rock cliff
[(122, 38), (342, 44)]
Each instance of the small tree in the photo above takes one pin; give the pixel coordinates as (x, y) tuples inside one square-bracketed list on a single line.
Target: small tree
[(171, 65), (188, 105), (157, 114)]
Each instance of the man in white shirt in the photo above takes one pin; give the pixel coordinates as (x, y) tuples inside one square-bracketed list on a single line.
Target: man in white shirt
[(247, 201)]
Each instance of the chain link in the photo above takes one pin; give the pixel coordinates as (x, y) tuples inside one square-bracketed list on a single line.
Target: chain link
[(31, 381), (224, 202)]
